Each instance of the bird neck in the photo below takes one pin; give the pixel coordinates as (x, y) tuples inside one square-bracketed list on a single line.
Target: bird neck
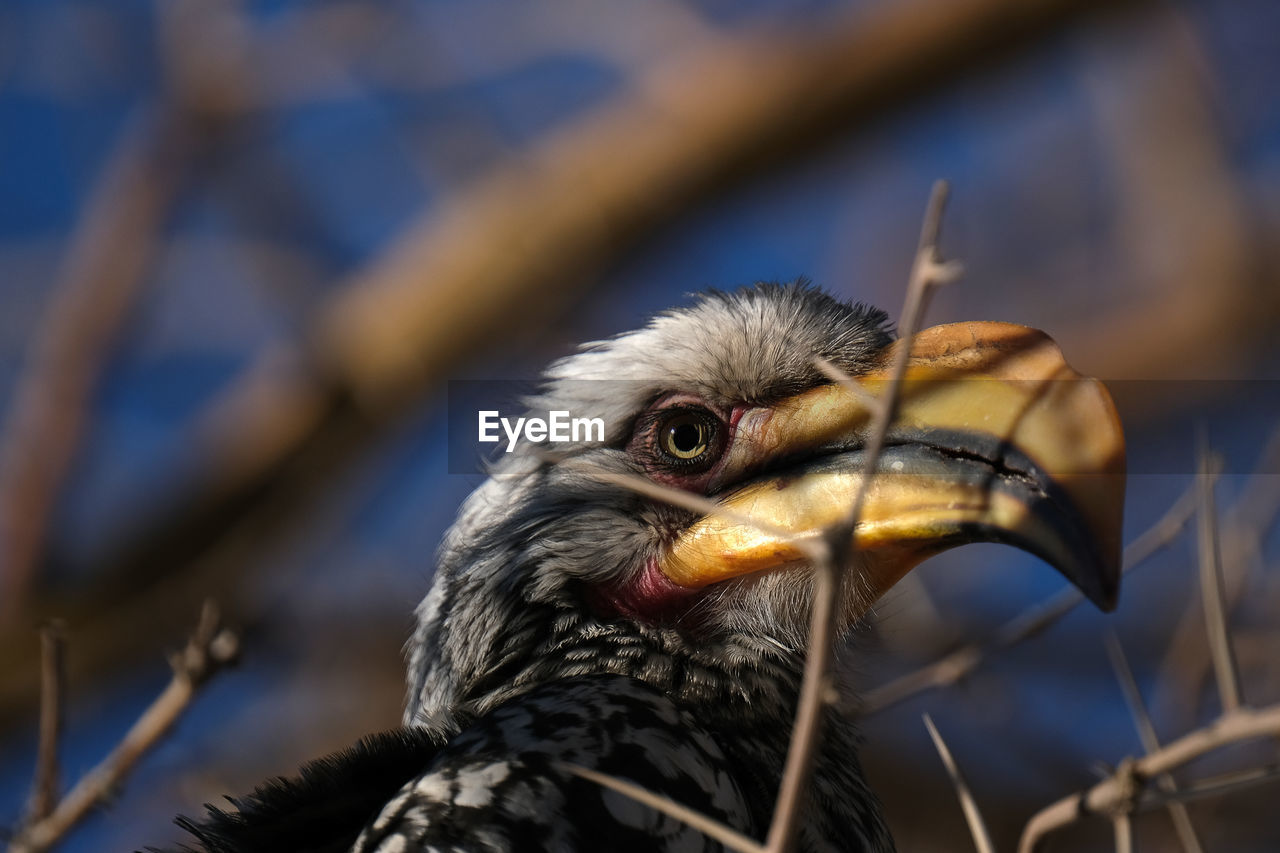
[(735, 680), (744, 692)]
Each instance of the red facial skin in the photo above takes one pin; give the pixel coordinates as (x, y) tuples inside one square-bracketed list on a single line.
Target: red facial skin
[(649, 595)]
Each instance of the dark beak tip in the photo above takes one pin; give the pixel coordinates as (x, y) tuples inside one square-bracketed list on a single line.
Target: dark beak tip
[(1108, 600), (1102, 585)]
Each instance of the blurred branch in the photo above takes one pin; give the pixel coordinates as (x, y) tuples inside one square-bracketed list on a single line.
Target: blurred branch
[(959, 664), (210, 649), (315, 53), (519, 244), (1185, 224), (690, 128), (92, 298), (100, 281), (205, 48)]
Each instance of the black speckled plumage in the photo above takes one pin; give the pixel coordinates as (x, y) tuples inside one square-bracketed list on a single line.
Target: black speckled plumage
[(496, 785), (514, 667)]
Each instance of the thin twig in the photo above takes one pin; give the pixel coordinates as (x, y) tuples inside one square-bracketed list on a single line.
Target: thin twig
[(53, 675), (210, 648), (1117, 792), (1188, 662), (1211, 583), (865, 398), (1216, 786), (956, 665), (927, 272), (1150, 741), (972, 814), (707, 826)]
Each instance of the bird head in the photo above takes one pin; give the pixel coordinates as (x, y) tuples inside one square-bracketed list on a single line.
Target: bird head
[(553, 570)]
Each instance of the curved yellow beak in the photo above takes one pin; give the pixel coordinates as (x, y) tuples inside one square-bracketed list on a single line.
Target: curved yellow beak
[(996, 439)]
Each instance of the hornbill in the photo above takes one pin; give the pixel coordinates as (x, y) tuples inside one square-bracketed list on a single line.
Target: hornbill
[(573, 622)]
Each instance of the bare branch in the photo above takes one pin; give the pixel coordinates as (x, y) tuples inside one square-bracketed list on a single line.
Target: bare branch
[(815, 690), (1211, 583), (972, 814), (53, 677), (1150, 742), (1121, 790), (711, 828), (210, 648)]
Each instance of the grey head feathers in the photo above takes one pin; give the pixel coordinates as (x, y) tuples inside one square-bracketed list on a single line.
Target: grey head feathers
[(509, 605)]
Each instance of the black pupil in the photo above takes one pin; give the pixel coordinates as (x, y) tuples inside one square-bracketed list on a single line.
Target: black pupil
[(686, 437)]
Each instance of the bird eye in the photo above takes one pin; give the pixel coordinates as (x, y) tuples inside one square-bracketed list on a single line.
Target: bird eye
[(688, 436)]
